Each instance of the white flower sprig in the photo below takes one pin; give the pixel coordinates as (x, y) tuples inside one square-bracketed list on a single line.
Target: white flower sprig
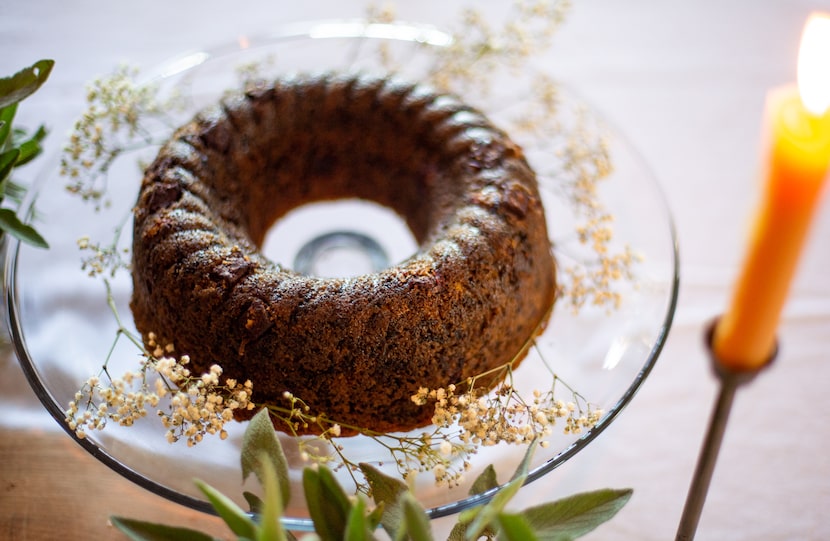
[(190, 406), (194, 406), (117, 119), (485, 418), (480, 49)]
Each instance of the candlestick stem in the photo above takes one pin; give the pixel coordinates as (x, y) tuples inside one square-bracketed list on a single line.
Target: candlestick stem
[(729, 382)]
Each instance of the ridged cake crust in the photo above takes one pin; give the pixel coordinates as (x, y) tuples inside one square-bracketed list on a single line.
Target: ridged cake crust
[(355, 349)]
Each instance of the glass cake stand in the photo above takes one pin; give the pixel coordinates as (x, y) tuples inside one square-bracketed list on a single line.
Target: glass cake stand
[(62, 327)]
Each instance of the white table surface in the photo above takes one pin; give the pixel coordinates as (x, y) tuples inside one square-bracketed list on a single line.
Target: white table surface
[(685, 81)]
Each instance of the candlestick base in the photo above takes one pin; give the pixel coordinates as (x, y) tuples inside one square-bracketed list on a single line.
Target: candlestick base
[(729, 380)]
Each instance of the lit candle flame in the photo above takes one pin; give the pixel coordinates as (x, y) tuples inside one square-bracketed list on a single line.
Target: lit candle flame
[(814, 65)]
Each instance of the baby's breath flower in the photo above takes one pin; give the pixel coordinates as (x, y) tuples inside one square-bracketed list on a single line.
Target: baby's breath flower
[(480, 49), (189, 414), (116, 119), (102, 258), (446, 448), (440, 472), (502, 416)]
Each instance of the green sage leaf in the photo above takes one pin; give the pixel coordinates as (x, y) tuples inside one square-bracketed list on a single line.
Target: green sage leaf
[(138, 530), (255, 503), (415, 525), (487, 515), (357, 526), (375, 515), (575, 515), (260, 440), (270, 527), (236, 519), (8, 160), (386, 491), (328, 504), (524, 466), (24, 83), (11, 224), (31, 147), (6, 118), (333, 491), (513, 527), (458, 532), (485, 481), (14, 191)]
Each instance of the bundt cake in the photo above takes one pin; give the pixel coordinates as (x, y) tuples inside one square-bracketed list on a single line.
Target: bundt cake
[(355, 349)]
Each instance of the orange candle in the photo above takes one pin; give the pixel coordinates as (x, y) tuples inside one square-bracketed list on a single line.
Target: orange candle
[(797, 121)]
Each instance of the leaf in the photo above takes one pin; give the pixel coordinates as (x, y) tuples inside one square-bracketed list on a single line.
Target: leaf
[(31, 148), (333, 491), (386, 491), (513, 527), (487, 515), (385, 488), (575, 515), (458, 532), (24, 83), (478, 521), (260, 440), (415, 524), (357, 527), (485, 481), (328, 505), (14, 191), (7, 161), (254, 502), (374, 517), (270, 526), (138, 530), (6, 117), (524, 466), (11, 224), (236, 519)]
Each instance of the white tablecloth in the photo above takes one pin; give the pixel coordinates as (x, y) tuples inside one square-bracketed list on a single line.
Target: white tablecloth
[(685, 81)]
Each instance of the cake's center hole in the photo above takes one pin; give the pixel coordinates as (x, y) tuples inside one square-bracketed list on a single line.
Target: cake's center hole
[(341, 253), (340, 238)]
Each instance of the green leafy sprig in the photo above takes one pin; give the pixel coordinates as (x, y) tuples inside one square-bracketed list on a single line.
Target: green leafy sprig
[(18, 146), (394, 508)]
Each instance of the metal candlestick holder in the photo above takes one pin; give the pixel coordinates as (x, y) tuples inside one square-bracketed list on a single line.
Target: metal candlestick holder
[(729, 382)]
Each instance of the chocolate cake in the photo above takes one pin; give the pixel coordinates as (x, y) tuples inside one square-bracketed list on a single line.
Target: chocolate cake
[(355, 349)]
